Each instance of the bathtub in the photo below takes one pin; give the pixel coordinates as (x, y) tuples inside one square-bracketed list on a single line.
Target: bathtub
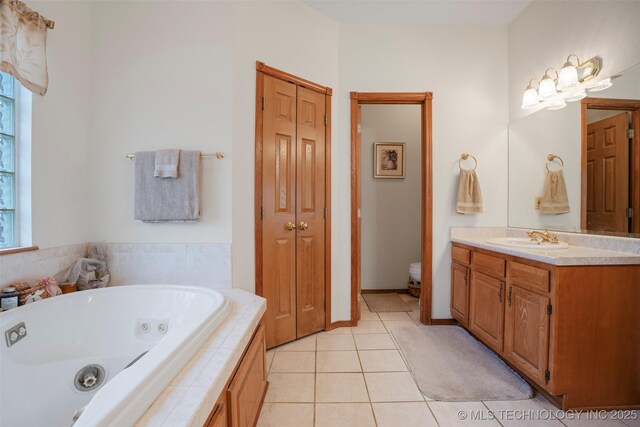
[(102, 356)]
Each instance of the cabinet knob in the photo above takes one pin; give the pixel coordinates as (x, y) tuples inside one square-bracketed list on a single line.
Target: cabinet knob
[(303, 225), (509, 295), (500, 292), (290, 226)]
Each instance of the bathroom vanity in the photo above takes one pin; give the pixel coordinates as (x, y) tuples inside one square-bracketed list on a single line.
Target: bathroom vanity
[(568, 321)]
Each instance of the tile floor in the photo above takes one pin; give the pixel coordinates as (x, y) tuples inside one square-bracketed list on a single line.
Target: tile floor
[(356, 377)]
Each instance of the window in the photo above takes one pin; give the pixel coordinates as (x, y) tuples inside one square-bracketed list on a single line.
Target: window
[(8, 214)]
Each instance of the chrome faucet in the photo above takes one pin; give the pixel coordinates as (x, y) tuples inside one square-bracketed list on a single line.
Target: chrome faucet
[(540, 236)]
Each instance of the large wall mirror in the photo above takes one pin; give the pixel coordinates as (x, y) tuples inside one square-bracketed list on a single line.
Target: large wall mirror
[(594, 145)]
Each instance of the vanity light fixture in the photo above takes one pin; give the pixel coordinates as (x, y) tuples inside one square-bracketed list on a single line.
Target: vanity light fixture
[(568, 78), (547, 88), (530, 97), (570, 85)]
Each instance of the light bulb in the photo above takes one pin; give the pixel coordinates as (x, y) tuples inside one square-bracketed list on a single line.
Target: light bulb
[(547, 87), (530, 98)]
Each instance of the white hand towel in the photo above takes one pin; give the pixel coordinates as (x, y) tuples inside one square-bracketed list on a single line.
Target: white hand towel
[(555, 199), (469, 193), (167, 163)]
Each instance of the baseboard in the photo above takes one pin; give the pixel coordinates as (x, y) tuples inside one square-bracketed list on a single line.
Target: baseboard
[(438, 322), (384, 291), (340, 324)]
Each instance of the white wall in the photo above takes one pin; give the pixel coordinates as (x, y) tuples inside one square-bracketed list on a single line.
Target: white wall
[(390, 207), (466, 69), (545, 33), (61, 197)]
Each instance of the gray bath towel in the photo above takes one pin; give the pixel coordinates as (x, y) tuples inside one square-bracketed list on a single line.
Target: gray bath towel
[(166, 200)]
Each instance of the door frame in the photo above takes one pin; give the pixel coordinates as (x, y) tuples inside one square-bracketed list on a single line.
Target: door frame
[(632, 105), (424, 99), (263, 70)]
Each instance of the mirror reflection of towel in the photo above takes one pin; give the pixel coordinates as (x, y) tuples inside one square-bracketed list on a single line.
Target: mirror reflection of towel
[(555, 199), (469, 193)]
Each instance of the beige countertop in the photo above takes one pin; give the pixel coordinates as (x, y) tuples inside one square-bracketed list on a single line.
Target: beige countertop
[(594, 254), (188, 400)]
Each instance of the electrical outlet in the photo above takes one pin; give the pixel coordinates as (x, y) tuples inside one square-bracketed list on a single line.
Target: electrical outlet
[(538, 202)]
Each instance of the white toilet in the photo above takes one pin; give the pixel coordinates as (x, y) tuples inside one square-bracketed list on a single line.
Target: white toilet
[(415, 269)]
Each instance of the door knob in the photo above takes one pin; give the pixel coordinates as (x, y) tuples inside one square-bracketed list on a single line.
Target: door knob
[(303, 225), (290, 226)]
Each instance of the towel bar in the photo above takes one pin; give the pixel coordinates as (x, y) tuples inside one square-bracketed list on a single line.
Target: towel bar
[(218, 154)]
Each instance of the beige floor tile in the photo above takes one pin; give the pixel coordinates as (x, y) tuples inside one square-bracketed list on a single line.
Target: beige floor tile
[(577, 420), (344, 415), (415, 305), (337, 331), (392, 387), (391, 324), (511, 413), (302, 344), (290, 388), (294, 361), (286, 415), (269, 358), (334, 388), (368, 315), (382, 361), (374, 342), (369, 327), (462, 414), (328, 342), (415, 315), (633, 420), (405, 414), (338, 361), (394, 315)]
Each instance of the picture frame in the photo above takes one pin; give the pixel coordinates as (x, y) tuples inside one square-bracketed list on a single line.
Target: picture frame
[(389, 160)]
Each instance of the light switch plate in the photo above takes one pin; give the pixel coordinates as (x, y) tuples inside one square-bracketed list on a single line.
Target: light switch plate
[(537, 201)]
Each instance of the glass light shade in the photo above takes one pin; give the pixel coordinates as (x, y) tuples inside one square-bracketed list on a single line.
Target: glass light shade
[(602, 85), (547, 88), (557, 105), (530, 98), (576, 96), (568, 78)]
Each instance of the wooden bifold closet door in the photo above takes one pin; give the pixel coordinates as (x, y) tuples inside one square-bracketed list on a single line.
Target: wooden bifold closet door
[(293, 215)]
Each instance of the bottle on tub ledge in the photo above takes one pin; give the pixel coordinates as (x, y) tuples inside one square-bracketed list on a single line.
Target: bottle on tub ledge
[(8, 298)]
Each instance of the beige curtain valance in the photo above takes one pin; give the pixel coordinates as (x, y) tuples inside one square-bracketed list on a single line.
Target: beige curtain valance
[(23, 45)]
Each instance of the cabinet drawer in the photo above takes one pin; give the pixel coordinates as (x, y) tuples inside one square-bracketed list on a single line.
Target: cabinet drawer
[(537, 279), (489, 264), (461, 254)]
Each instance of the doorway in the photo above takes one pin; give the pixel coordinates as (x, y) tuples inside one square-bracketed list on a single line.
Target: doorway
[(424, 99), (292, 202), (610, 199)]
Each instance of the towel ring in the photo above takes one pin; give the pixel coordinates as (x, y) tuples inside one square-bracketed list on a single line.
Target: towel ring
[(551, 158), (465, 156)]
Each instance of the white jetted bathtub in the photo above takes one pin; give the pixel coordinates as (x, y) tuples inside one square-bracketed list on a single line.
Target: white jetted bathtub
[(102, 355)]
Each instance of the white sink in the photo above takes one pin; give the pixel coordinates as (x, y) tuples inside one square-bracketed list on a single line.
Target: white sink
[(526, 243)]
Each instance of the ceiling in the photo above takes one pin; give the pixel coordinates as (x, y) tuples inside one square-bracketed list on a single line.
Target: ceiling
[(494, 13)]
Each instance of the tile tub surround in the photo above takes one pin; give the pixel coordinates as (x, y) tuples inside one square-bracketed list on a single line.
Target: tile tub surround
[(583, 250), (207, 265), (188, 400), (34, 265)]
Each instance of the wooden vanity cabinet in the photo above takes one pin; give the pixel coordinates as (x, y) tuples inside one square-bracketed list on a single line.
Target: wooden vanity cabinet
[(571, 331), (240, 402)]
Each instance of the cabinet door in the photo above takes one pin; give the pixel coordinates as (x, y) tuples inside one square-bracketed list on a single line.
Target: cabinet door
[(219, 416), (526, 338), (247, 389), (487, 309), (460, 293)]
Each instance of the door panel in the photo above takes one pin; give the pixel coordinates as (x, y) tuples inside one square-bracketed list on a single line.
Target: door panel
[(279, 194), (527, 332), (460, 292), (607, 174), (310, 212), (487, 309)]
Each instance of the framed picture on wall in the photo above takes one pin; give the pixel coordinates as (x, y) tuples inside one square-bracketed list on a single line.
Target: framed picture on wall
[(388, 158)]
